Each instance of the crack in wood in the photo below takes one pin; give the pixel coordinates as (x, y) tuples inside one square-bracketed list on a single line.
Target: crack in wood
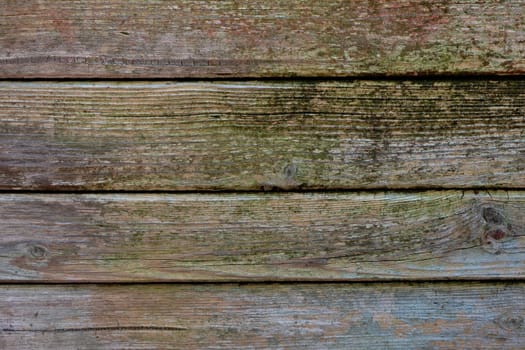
[(98, 329), (122, 61)]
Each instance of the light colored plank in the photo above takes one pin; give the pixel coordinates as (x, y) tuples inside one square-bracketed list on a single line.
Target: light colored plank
[(247, 237), (296, 316), (257, 135), (193, 38)]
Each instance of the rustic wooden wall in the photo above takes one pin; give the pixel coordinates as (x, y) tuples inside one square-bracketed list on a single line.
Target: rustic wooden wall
[(262, 174)]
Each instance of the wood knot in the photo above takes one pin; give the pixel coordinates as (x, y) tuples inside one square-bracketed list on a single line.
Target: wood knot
[(494, 235), (492, 216), (37, 252), (491, 240), (285, 181), (510, 322), (290, 171), (495, 232)]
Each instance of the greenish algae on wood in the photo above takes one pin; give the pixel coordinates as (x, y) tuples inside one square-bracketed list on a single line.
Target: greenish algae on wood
[(262, 135), (262, 237), (192, 38)]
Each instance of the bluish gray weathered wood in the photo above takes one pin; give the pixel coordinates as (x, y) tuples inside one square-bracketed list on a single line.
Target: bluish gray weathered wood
[(264, 316)]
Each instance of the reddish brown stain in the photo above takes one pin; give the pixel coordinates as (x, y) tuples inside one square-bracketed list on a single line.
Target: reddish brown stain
[(58, 19), (411, 24), (496, 234)]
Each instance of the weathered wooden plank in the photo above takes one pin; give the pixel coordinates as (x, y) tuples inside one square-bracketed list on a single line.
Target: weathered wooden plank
[(256, 135), (247, 237), (193, 38), (297, 316)]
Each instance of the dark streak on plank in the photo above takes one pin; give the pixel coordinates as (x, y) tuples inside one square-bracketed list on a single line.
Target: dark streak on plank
[(292, 316), (267, 237), (256, 135), (191, 38), (96, 329)]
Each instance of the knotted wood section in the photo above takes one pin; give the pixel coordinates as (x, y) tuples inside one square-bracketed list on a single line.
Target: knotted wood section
[(262, 237)]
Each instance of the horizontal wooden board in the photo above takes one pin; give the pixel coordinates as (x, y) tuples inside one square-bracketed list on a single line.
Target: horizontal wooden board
[(194, 38), (293, 316), (262, 135), (265, 237)]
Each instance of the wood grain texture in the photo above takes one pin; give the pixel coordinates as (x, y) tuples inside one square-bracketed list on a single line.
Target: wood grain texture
[(262, 237), (328, 316), (262, 135), (193, 38)]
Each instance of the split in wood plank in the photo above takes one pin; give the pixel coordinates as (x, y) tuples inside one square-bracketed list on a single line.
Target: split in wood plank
[(291, 316), (262, 135), (193, 38), (262, 237)]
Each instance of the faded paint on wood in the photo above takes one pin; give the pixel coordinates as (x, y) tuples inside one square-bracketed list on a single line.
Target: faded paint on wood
[(243, 237), (299, 316), (262, 135), (191, 38)]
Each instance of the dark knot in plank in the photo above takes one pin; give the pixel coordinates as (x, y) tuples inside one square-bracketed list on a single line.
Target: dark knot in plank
[(38, 252), (497, 230), (510, 321), (492, 216)]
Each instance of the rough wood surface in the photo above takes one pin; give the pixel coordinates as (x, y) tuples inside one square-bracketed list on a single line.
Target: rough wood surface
[(262, 135), (270, 237), (194, 38), (299, 316)]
